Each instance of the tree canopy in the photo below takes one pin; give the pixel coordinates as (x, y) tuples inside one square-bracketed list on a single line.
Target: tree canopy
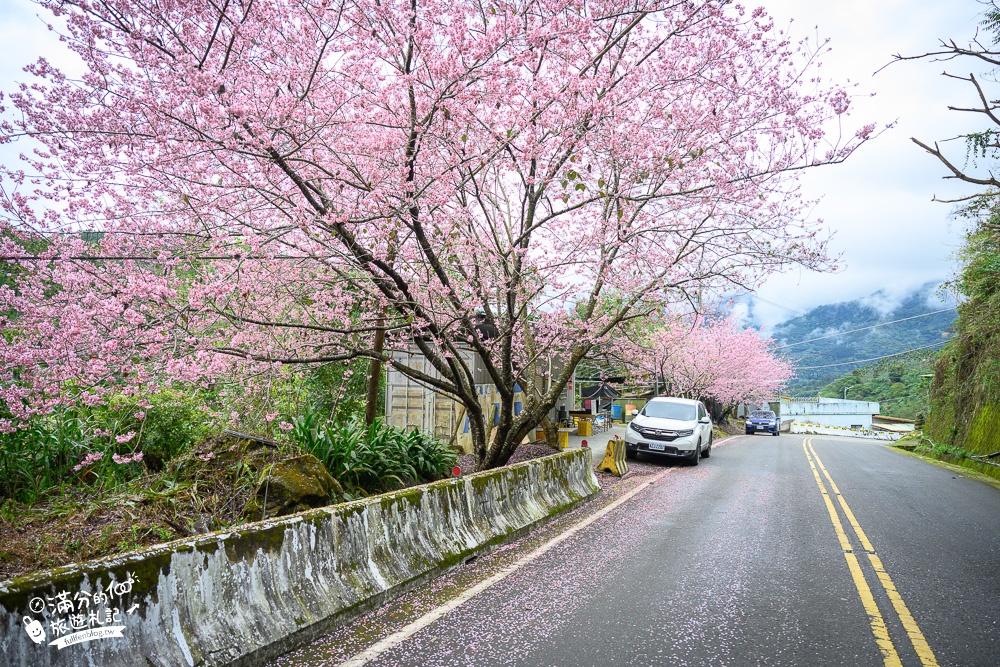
[(489, 185)]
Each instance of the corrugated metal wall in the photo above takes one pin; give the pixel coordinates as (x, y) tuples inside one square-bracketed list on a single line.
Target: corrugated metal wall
[(408, 404)]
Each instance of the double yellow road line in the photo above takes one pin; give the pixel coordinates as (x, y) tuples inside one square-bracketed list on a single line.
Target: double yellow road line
[(877, 621)]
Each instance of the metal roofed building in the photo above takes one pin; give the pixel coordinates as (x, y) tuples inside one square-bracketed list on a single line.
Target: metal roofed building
[(893, 424)]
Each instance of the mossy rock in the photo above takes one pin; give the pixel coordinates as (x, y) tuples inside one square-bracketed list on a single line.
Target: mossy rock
[(292, 485), (220, 452)]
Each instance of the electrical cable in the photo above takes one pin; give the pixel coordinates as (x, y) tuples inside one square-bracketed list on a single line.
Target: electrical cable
[(874, 326), (758, 297), (862, 361)]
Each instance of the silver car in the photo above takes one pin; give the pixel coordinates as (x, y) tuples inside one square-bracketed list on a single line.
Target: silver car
[(674, 427)]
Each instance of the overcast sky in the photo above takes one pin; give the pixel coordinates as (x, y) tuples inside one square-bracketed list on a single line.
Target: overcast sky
[(878, 203), (891, 235)]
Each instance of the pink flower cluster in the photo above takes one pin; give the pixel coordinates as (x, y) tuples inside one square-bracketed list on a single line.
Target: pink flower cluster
[(89, 459), (122, 460)]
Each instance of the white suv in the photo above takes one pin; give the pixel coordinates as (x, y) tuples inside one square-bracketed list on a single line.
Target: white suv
[(676, 427)]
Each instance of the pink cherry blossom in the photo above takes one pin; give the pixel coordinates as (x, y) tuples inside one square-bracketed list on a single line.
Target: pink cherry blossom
[(696, 358), (427, 185)]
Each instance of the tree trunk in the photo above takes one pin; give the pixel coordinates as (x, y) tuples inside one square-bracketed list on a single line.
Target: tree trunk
[(374, 379)]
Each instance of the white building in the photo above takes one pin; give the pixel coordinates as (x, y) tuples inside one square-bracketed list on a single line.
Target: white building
[(829, 412)]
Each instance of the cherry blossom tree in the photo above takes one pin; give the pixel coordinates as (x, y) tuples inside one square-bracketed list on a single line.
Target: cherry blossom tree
[(731, 365), (487, 185), (716, 360)]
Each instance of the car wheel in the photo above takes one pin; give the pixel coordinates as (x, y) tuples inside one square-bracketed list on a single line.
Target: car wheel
[(630, 454), (776, 433), (697, 455), (749, 432), (708, 450)]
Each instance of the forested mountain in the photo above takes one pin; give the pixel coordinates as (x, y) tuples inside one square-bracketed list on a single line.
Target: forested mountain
[(900, 385), (821, 344)]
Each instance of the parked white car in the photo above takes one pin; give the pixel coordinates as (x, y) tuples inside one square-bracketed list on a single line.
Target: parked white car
[(674, 427)]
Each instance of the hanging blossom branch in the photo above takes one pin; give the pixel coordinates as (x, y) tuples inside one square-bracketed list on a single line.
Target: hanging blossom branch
[(479, 190)]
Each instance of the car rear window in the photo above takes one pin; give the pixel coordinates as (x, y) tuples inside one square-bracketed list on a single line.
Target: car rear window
[(667, 410), (761, 414)]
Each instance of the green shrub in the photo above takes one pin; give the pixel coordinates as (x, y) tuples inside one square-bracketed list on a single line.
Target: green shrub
[(173, 423), (373, 458), (40, 456), (81, 444), (162, 425)]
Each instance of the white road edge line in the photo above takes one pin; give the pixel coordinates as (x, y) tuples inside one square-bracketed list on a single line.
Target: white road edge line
[(416, 626)]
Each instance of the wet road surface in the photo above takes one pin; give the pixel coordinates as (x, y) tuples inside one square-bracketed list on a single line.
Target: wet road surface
[(793, 550)]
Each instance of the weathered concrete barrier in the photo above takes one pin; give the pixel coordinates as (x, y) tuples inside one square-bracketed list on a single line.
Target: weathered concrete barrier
[(245, 596)]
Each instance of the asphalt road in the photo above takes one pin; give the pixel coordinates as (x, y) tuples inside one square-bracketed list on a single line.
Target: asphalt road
[(775, 551)]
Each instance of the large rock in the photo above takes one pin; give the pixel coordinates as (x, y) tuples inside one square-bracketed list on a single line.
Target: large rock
[(292, 485)]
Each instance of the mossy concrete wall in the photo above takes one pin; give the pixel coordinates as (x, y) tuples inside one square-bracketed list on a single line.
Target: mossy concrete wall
[(242, 597)]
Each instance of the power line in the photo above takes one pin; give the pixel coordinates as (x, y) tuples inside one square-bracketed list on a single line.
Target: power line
[(874, 326), (758, 297), (862, 361), (147, 258)]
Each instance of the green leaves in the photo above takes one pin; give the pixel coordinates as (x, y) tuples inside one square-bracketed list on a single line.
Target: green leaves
[(373, 458)]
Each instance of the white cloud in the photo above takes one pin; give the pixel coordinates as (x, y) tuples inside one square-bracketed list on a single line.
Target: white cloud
[(884, 301), (890, 234)]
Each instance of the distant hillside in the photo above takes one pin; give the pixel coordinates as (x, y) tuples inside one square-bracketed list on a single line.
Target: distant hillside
[(820, 362), (900, 384)]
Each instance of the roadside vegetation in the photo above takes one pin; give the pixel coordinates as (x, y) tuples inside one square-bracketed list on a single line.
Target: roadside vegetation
[(965, 394), (900, 385), (85, 482), (964, 414), (923, 446)]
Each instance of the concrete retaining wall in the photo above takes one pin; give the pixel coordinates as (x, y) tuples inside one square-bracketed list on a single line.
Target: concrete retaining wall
[(242, 597)]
